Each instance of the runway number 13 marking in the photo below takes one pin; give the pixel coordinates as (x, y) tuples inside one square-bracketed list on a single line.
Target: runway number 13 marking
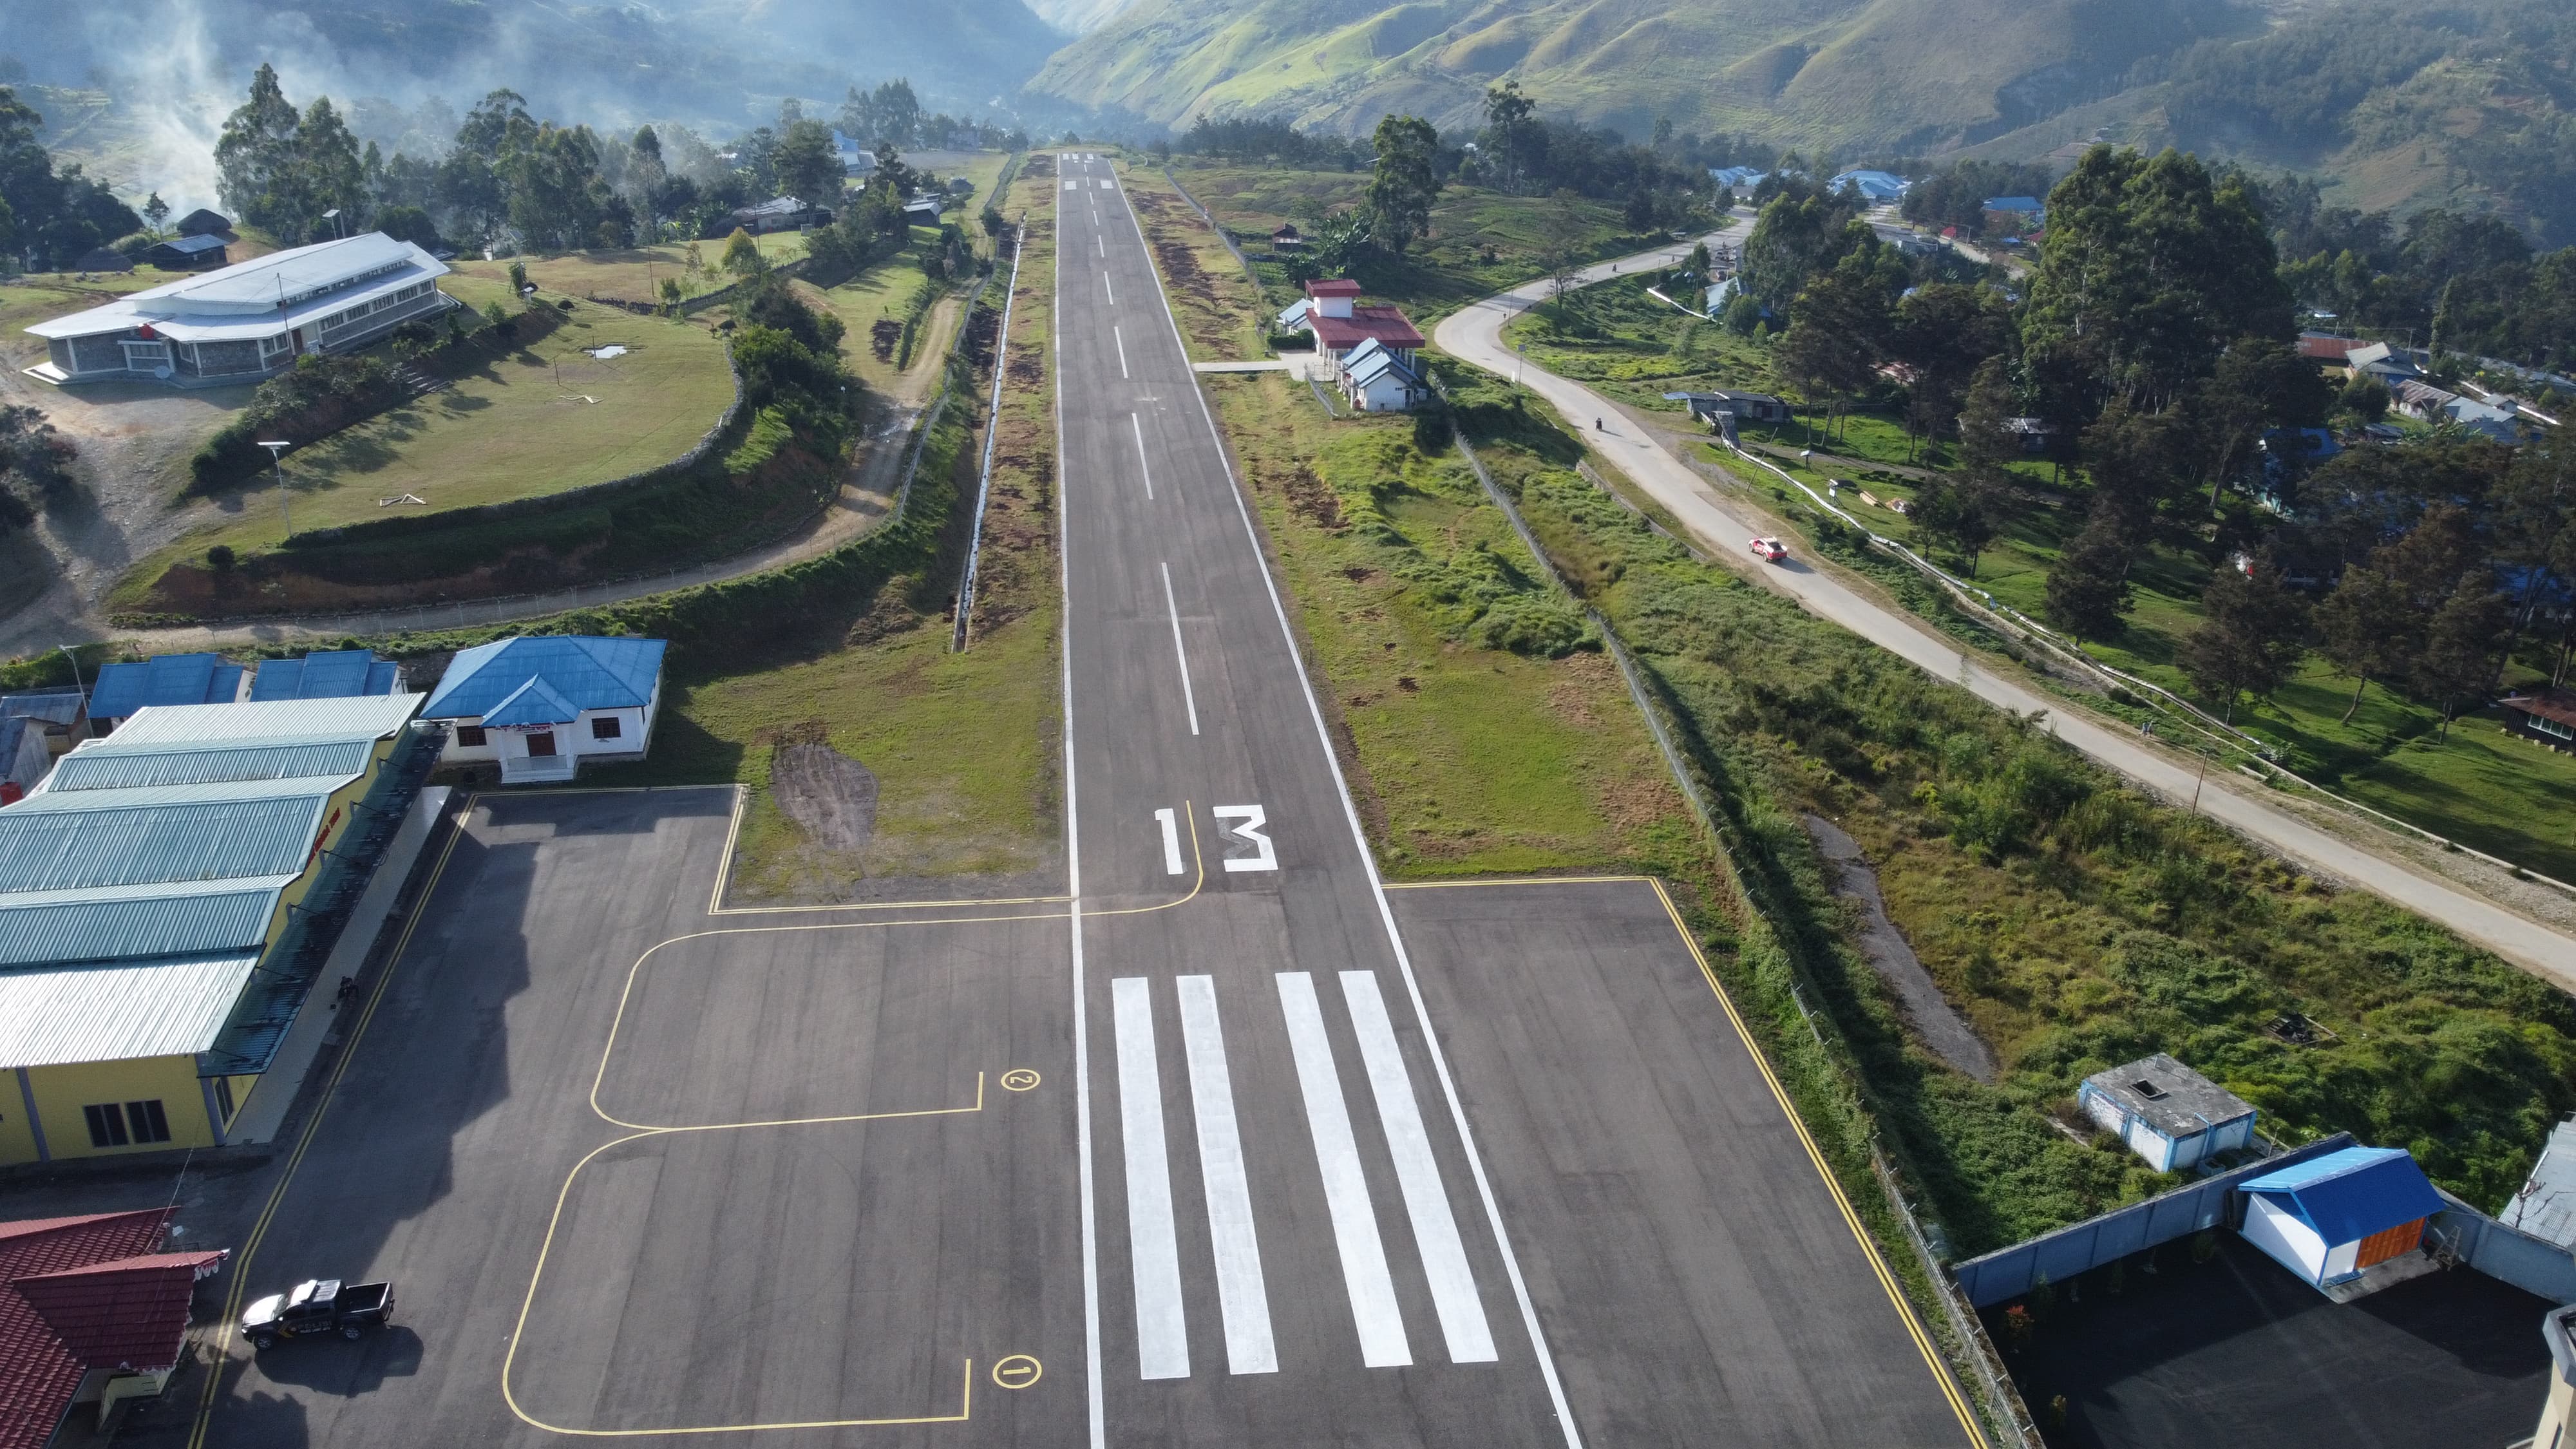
[(1244, 823), (1171, 824)]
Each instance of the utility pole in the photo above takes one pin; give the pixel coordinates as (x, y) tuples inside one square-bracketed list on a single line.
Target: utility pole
[(75, 659), (277, 460)]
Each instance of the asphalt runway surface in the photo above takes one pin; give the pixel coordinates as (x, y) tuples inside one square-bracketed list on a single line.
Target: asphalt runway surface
[(1199, 1156)]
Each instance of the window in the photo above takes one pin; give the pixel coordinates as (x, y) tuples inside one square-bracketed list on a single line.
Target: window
[(2149, 1090), (471, 736), (106, 1125), (147, 1121), (606, 727), (114, 1124), (2548, 726), (541, 744), (224, 1098)]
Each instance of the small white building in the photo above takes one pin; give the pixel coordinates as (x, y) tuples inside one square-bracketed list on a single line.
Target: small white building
[(2167, 1113), (240, 323), (2332, 1218), (539, 705), (1376, 381)]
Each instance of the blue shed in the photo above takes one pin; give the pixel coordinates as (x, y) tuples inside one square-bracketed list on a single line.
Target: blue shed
[(2329, 1218), (164, 679)]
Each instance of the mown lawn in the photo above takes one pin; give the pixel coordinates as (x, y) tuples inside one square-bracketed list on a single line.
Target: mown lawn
[(541, 419), (633, 274)]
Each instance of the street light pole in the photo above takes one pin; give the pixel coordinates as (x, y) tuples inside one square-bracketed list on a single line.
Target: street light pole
[(75, 659), (285, 506)]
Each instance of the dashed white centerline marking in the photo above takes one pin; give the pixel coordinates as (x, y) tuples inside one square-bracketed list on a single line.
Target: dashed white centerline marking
[(1240, 1292), (1162, 1340), (1337, 1157), (1122, 349), (1188, 697), (1143, 468), (1112, 291), (1435, 1231)]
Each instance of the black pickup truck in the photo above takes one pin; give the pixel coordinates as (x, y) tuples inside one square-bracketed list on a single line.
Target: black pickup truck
[(318, 1305)]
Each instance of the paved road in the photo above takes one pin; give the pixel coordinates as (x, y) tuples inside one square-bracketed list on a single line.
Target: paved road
[(1475, 335)]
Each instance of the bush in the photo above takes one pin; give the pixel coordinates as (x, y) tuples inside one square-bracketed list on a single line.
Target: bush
[(315, 398)]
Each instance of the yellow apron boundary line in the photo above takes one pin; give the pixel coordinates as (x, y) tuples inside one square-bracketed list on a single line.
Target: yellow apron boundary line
[(626, 994), (313, 1125), (1515, 880), (662, 1131), (1851, 1216)]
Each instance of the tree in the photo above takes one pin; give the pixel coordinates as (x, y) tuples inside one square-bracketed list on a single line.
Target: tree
[(1986, 443), (2150, 269), (329, 172), (2260, 384), (1946, 333), (1961, 511), (2454, 666), (2368, 628), (2088, 585), (53, 215), (1793, 239), (806, 164), (742, 255), (2131, 457), (1513, 138), (408, 223), (255, 156), (2248, 640), (155, 211), (1407, 181), (2365, 397)]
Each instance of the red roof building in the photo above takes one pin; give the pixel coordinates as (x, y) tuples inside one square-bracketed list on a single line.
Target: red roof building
[(86, 1302), (1342, 323)]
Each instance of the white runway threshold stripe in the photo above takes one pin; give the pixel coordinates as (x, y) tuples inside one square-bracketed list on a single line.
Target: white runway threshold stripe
[(1435, 1230), (1162, 1339), (1240, 1292), (1346, 1194)]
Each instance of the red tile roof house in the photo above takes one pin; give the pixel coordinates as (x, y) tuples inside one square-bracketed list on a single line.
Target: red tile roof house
[(1342, 323), (90, 1313)]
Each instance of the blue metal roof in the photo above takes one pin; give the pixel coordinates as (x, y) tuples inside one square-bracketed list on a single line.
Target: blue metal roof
[(53, 706), (128, 922), (2013, 203), (164, 679), (532, 703), (2348, 1195), (94, 768), (331, 674), (49, 850), (581, 671)]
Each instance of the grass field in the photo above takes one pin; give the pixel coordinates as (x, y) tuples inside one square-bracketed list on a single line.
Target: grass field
[(886, 291), (964, 747), (632, 275), (516, 427)]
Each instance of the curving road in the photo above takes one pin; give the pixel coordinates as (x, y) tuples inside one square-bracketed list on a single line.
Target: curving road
[(1475, 335)]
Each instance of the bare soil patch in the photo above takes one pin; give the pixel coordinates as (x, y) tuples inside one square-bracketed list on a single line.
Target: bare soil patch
[(831, 796)]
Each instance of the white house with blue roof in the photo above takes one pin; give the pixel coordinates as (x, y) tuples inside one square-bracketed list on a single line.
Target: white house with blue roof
[(540, 704), (2331, 1219)]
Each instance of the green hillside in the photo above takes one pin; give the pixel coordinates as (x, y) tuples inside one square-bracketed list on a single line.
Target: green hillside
[(1884, 73)]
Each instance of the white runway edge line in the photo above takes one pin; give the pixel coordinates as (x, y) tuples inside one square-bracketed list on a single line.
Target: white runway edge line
[(1426, 1202), (1153, 1248), (1096, 1407), (1189, 697), (1385, 911), (1241, 1294), (1346, 1194), (1144, 468)]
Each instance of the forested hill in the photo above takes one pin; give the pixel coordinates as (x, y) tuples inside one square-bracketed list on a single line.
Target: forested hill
[(1906, 74), (2470, 105)]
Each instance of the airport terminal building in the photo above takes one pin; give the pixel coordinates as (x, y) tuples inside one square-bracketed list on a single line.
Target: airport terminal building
[(240, 323)]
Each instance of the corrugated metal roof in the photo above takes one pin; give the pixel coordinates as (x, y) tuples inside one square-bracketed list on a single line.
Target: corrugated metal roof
[(53, 706), (328, 674), (587, 671), (309, 721), (101, 765), (43, 850), (208, 792), (2348, 1195), (2546, 1206), (131, 922), (532, 703), (56, 1015), (164, 679)]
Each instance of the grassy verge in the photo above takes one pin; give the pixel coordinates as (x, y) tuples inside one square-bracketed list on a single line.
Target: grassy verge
[(963, 746), (631, 274), (2077, 924)]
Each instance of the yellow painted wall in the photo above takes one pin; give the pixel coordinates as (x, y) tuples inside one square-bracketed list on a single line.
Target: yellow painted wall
[(17, 1142), (62, 1091), (337, 817)]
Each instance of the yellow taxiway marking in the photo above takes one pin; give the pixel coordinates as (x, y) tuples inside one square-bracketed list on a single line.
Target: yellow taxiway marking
[(1019, 1079), (1017, 1372)]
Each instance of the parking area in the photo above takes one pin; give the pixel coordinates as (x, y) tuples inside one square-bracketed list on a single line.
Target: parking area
[(637, 1169)]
